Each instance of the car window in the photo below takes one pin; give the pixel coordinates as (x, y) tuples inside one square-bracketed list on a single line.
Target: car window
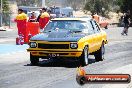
[(61, 25), (95, 26), (90, 28), (85, 30)]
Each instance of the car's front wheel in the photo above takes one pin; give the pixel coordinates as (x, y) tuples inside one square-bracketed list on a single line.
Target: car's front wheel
[(34, 60), (84, 57), (99, 55)]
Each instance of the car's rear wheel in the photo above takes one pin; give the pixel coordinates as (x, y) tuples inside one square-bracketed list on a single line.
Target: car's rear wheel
[(34, 59), (99, 55), (84, 57)]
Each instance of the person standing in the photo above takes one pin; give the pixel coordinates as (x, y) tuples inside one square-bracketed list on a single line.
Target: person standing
[(44, 19), (126, 20), (21, 20)]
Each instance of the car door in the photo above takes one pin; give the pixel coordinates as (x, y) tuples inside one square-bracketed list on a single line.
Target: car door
[(98, 36), (91, 38)]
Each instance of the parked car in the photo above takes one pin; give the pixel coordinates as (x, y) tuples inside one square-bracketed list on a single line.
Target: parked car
[(103, 22), (69, 38)]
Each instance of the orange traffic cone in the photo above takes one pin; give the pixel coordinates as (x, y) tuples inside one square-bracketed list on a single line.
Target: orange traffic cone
[(81, 72)]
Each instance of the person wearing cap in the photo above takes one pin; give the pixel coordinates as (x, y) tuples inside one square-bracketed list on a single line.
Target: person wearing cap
[(21, 20), (44, 19)]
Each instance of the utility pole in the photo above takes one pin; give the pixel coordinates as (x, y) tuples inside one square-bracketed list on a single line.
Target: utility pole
[(85, 2), (43, 3), (1, 13)]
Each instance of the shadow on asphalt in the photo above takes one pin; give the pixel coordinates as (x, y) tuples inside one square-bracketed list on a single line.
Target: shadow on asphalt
[(61, 63)]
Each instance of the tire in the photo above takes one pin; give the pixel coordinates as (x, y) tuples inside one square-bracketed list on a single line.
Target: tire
[(84, 57), (106, 27), (34, 60), (99, 55)]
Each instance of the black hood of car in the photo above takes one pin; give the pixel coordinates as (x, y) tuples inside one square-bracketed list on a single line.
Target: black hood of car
[(58, 36)]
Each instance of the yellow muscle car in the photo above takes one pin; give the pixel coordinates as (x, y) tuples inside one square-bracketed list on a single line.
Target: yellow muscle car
[(69, 38)]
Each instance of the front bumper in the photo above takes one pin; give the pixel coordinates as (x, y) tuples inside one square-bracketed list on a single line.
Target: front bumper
[(55, 52)]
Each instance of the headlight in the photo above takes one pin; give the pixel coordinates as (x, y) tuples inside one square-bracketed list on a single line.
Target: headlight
[(33, 44), (73, 46)]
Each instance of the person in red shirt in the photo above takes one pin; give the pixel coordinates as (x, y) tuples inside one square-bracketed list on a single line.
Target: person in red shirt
[(44, 19), (21, 20)]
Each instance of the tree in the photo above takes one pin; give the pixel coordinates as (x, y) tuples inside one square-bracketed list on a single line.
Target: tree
[(5, 11), (75, 4), (28, 2), (125, 5), (98, 6), (102, 7)]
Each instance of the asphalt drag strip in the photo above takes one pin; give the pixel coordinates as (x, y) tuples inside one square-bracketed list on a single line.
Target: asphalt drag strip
[(16, 71)]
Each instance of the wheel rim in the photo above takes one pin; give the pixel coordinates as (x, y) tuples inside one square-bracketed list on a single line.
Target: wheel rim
[(86, 56)]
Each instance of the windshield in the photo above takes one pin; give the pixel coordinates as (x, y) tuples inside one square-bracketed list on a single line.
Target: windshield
[(65, 25)]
